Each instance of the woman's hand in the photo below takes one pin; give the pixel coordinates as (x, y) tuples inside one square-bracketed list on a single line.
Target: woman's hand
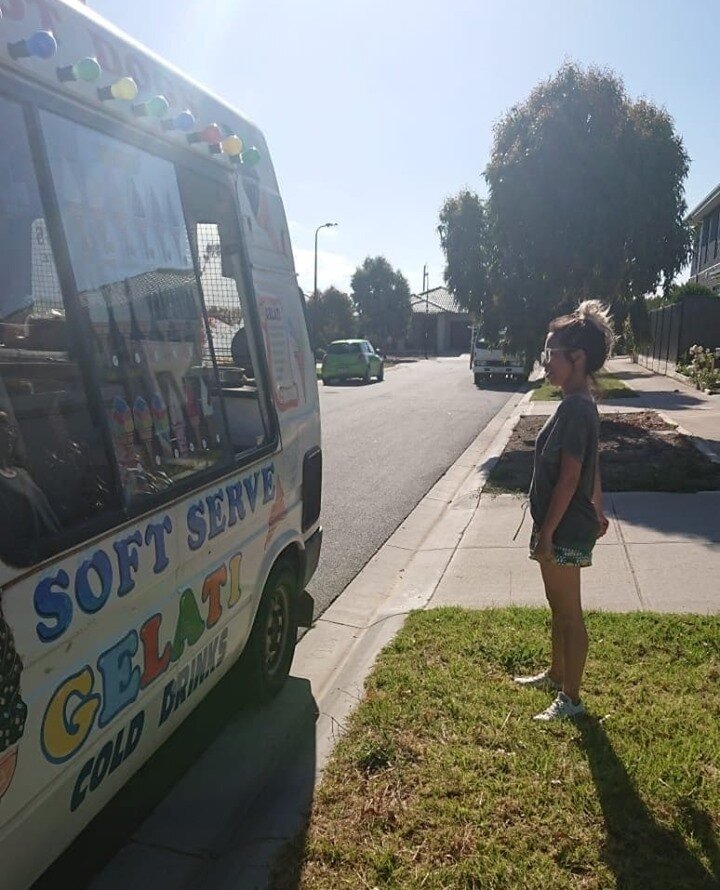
[(543, 551), (603, 522)]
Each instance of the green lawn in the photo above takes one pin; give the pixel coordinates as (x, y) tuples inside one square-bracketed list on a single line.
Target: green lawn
[(608, 387), (442, 780)]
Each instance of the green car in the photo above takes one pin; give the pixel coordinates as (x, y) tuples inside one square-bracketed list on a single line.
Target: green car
[(351, 358)]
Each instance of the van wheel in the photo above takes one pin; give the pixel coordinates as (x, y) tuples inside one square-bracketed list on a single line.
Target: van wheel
[(381, 374), (366, 377), (478, 379), (268, 654)]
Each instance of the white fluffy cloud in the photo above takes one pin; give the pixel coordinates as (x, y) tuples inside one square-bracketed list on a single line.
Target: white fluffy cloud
[(333, 269)]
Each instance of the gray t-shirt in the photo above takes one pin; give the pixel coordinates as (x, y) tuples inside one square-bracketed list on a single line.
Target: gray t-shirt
[(575, 428)]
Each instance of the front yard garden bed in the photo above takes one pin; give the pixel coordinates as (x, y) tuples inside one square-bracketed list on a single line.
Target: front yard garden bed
[(638, 452)]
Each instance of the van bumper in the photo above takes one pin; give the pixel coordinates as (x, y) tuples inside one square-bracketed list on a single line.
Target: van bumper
[(312, 555), (305, 605)]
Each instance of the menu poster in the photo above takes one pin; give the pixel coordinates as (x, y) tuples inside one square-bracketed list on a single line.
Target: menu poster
[(277, 346)]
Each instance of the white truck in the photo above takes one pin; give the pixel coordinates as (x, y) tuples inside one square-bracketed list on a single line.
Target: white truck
[(490, 362)]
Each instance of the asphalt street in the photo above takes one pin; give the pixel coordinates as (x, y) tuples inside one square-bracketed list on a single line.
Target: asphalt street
[(384, 446)]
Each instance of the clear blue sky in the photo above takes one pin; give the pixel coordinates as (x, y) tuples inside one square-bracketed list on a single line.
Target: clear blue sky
[(376, 110)]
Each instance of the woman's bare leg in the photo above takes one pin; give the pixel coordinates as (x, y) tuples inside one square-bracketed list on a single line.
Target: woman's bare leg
[(556, 671), (569, 635)]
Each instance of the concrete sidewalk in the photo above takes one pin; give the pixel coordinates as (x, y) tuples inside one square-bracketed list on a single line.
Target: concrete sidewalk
[(661, 553)]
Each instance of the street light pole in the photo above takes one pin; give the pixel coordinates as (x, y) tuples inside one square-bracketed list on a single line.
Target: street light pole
[(323, 226), (426, 285)]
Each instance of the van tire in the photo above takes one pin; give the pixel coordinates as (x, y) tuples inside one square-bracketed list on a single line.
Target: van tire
[(381, 374), (267, 656), (367, 378), (478, 379)]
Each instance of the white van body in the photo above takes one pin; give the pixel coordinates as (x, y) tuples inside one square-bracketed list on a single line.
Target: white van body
[(489, 362), (106, 645)]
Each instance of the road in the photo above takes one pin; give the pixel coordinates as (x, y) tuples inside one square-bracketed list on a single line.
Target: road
[(384, 446)]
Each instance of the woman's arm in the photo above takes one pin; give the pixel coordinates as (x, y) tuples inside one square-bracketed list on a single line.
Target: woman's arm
[(598, 500)]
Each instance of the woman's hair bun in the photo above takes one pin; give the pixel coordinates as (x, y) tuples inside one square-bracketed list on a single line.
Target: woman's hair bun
[(588, 328), (596, 313)]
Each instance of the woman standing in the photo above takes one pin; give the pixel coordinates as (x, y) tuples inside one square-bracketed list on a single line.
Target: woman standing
[(566, 497)]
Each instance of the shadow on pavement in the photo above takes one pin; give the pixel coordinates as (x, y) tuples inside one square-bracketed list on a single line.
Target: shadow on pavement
[(503, 385), (662, 400), (641, 852), (352, 382), (258, 850), (675, 515), (232, 759), (714, 446)]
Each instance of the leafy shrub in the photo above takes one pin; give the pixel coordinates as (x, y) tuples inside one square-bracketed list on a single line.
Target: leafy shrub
[(702, 370)]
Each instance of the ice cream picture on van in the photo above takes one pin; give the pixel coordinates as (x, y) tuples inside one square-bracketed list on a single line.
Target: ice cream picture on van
[(13, 710)]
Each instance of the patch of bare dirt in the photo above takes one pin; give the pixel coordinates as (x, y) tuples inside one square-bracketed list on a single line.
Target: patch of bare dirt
[(638, 452)]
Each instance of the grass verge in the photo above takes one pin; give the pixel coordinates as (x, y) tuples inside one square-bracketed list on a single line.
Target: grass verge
[(442, 780), (608, 387)]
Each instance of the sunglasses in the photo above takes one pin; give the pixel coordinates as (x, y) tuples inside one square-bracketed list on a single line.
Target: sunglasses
[(547, 354)]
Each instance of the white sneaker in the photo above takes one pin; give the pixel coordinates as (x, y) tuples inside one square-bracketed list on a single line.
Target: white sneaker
[(539, 681), (562, 707)]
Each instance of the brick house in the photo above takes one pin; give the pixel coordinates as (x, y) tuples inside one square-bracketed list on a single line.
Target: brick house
[(437, 316)]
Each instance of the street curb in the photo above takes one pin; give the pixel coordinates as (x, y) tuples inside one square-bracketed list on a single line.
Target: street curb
[(350, 625), (338, 652), (337, 655), (241, 839), (702, 445), (404, 594)]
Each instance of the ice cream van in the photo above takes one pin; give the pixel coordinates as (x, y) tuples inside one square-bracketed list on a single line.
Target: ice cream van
[(160, 462)]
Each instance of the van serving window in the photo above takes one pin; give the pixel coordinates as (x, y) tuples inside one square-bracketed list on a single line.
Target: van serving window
[(215, 238), (137, 288), (54, 473)]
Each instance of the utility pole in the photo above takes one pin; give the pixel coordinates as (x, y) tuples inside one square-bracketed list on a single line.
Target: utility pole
[(426, 281)]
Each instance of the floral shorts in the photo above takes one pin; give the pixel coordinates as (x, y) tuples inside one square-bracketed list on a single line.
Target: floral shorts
[(565, 556)]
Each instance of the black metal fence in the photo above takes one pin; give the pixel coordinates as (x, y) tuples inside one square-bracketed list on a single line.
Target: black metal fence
[(674, 329)]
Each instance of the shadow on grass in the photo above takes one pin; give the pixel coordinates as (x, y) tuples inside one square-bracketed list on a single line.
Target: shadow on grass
[(673, 398), (287, 872), (642, 853)]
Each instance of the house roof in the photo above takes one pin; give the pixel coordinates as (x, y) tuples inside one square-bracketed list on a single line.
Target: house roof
[(706, 206), (437, 300)]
